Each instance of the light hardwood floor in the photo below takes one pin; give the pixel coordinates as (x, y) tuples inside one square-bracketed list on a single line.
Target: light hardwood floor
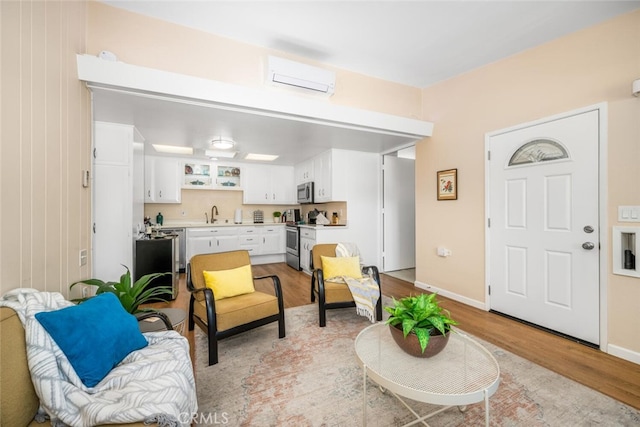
[(607, 374)]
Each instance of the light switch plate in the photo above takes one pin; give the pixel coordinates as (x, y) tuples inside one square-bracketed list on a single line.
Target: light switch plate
[(629, 213)]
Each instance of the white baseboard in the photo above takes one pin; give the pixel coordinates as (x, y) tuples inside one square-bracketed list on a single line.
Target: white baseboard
[(613, 350), (468, 301), (623, 353)]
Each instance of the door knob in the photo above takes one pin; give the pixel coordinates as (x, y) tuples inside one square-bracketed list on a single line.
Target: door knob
[(588, 245), (588, 229)]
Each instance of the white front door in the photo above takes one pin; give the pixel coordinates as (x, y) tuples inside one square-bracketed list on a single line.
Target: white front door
[(544, 229)]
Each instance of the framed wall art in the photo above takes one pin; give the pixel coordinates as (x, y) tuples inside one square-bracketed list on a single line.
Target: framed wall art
[(448, 184)]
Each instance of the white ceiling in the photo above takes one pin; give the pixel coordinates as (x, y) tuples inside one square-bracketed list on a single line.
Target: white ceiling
[(417, 43)]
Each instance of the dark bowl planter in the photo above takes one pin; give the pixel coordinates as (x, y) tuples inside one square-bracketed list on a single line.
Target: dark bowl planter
[(411, 345)]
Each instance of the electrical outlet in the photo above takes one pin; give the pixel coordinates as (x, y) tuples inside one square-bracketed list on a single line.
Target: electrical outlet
[(83, 257), (184, 213)]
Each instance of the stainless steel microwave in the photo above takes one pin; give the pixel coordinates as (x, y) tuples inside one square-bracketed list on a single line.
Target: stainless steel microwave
[(305, 193)]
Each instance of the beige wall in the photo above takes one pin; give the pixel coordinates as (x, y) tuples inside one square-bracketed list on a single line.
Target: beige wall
[(144, 41), (45, 143), (591, 66)]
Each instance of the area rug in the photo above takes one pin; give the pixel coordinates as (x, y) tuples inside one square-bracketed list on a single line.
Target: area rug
[(312, 378)]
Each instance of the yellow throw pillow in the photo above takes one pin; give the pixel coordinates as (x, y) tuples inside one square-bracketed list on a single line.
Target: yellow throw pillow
[(341, 266), (230, 283)]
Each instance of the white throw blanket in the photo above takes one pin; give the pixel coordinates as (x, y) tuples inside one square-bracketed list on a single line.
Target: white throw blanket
[(154, 383), (365, 291)]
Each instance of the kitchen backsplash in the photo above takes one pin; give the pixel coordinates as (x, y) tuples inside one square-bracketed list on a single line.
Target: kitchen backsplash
[(196, 202)]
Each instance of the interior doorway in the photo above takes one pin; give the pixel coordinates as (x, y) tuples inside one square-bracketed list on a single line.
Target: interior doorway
[(399, 231)]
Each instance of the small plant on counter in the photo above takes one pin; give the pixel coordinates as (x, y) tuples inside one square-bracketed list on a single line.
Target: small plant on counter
[(131, 294), (421, 315), (276, 216)]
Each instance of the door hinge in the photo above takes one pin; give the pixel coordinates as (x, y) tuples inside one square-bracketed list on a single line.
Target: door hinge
[(488, 155), (489, 222), (489, 289)]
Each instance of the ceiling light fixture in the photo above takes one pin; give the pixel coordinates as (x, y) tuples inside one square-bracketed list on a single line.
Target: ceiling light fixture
[(172, 149), (222, 143), (261, 157)]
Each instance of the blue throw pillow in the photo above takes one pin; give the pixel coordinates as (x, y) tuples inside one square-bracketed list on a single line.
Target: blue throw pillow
[(95, 335)]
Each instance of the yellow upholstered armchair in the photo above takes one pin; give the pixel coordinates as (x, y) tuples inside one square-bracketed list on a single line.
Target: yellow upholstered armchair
[(224, 301), (334, 294)]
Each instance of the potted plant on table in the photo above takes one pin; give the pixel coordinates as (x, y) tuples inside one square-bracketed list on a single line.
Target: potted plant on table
[(419, 325), (131, 294)]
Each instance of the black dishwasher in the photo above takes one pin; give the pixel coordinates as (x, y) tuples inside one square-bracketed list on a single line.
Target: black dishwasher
[(158, 255)]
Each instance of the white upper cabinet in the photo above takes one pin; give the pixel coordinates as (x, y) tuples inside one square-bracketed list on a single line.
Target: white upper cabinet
[(330, 172), (162, 180), (268, 185), (304, 172), (108, 148)]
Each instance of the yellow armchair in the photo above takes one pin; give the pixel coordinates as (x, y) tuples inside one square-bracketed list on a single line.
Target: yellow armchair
[(334, 294), (230, 315)]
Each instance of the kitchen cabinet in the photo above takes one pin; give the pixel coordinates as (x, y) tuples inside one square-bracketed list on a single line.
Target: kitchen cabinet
[(117, 210), (307, 241), (197, 176), (269, 185), (330, 172), (272, 240), (250, 240), (208, 240), (162, 180), (304, 172)]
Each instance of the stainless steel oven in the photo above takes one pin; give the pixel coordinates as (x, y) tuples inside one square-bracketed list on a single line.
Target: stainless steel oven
[(293, 246)]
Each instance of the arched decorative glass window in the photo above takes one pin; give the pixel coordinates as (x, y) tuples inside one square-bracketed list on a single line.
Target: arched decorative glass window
[(538, 150)]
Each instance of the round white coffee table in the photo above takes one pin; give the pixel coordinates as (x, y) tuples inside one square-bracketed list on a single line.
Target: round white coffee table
[(463, 373)]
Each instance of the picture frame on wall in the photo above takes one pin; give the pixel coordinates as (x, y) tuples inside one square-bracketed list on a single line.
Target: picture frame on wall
[(448, 184)]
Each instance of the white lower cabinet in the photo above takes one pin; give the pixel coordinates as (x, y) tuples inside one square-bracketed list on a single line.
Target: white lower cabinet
[(273, 240), (250, 239), (257, 239), (210, 240), (307, 241)]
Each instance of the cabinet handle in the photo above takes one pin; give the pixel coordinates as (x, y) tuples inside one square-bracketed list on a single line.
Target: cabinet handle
[(95, 156), (266, 196), (160, 193), (274, 196), (149, 193)]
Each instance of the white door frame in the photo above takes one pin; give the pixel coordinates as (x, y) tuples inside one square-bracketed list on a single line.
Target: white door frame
[(602, 205)]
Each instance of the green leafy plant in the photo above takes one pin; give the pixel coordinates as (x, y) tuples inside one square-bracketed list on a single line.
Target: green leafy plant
[(277, 214), (131, 294), (421, 315)]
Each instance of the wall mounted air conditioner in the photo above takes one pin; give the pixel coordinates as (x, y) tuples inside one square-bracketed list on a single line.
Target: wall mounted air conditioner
[(286, 72)]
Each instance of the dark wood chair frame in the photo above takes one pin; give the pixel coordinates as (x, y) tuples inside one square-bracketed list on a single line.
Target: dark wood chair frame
[(211, 327), (323, 306), (149, 314)]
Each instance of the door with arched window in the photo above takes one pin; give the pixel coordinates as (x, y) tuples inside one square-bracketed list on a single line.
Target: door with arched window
[(543, 237)]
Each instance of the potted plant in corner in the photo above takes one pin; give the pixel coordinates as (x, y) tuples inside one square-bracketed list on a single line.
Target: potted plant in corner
[(419, 325), (131, 294)]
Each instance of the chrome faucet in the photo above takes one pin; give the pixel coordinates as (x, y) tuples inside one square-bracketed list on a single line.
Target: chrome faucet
[(214, 212)]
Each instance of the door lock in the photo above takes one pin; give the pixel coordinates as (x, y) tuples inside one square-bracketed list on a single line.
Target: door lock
[(588, 245), (588, 229)]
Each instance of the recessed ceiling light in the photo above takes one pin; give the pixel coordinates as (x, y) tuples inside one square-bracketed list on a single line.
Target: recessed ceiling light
[(222, 143), (172, 149), (261, 157), (217, 153)]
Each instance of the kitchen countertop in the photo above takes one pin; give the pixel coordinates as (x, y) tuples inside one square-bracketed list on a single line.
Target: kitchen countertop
[(193, 224)]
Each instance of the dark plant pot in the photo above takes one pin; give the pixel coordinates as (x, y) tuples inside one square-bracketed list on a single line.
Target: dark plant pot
[(411, 345)]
